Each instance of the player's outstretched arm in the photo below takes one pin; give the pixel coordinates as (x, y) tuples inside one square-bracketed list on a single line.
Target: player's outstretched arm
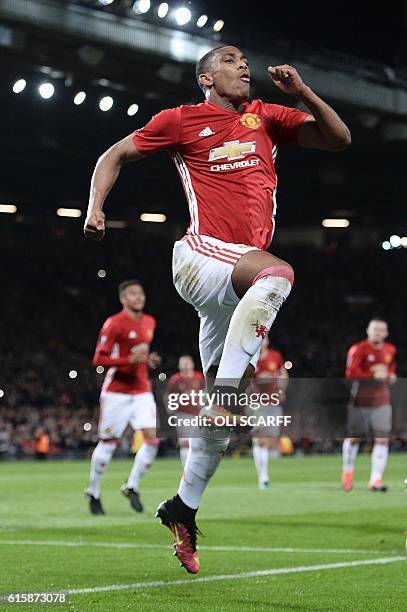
[(325, 129), (104, 177)]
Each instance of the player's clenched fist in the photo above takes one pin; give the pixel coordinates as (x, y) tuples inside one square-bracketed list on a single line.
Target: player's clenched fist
[(94, 228), (287, 79)]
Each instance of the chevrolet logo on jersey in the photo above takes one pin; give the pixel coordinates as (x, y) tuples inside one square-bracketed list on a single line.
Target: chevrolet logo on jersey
[(232, 150)]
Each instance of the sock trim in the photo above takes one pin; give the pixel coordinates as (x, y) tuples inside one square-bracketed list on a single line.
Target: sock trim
[(283, 271), (154, 442)]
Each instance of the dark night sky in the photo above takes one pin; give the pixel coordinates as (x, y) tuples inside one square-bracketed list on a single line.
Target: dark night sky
[(372, 31)]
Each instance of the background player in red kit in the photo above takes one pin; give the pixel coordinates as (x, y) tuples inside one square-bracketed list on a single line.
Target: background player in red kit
[(270, 378), (372, 363), (224, 150), (126, 398), (186, 380)]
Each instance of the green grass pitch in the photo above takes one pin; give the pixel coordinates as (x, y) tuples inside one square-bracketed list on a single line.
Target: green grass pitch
[(50, 542)]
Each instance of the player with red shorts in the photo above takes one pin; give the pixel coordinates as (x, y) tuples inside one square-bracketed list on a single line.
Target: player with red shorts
[(271, 380), (224, 150), (181, 384), (126, 398), (371, 363)]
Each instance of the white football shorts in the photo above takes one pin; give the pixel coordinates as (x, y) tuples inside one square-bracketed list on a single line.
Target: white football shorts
[(117, 410), (202, 269)]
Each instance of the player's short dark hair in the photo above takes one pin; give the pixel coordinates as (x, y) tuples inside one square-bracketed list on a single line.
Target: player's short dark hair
[(128, 283), (204, 63), (377, 320)]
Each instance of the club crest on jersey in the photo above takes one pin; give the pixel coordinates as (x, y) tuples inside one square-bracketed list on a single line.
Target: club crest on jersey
[(250, 120), (234, 149), (133, 334)]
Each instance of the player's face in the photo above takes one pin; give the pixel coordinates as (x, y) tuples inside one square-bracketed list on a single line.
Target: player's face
[(185, 364), (377, 331), (133, 297), (230, 74)]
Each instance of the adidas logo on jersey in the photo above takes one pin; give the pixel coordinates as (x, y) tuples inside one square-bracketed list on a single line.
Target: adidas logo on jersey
[(206, 132)]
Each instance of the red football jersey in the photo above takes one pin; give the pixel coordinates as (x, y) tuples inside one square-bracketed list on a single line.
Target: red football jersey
[(271, 365), (178, 383), (361, 357), (226, 163), (119, 334)]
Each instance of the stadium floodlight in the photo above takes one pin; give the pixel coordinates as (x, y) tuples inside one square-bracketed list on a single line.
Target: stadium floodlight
[(87, 426), (46, 90), (105, 2), (386, 246), (182, 15), (288, 365), (1, 393), (395, 241), (73, 374), (218, 25), (163, 10), (403, 241), (74, 213), (335, 223), (141, 6), (8, 208), (106, 103), (202, 21), (153, 217), (132, 110), (102, 273), (79, 98), (19, 86), (100, 369)]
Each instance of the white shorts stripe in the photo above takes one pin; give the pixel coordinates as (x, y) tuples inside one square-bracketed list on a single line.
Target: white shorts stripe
[(205, 248)]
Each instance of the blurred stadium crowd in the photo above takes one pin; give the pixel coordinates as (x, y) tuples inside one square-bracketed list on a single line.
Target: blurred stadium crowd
[(54, 305)]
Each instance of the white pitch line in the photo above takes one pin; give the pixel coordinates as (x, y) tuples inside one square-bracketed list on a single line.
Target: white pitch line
[(256, 574), (141, 546)]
